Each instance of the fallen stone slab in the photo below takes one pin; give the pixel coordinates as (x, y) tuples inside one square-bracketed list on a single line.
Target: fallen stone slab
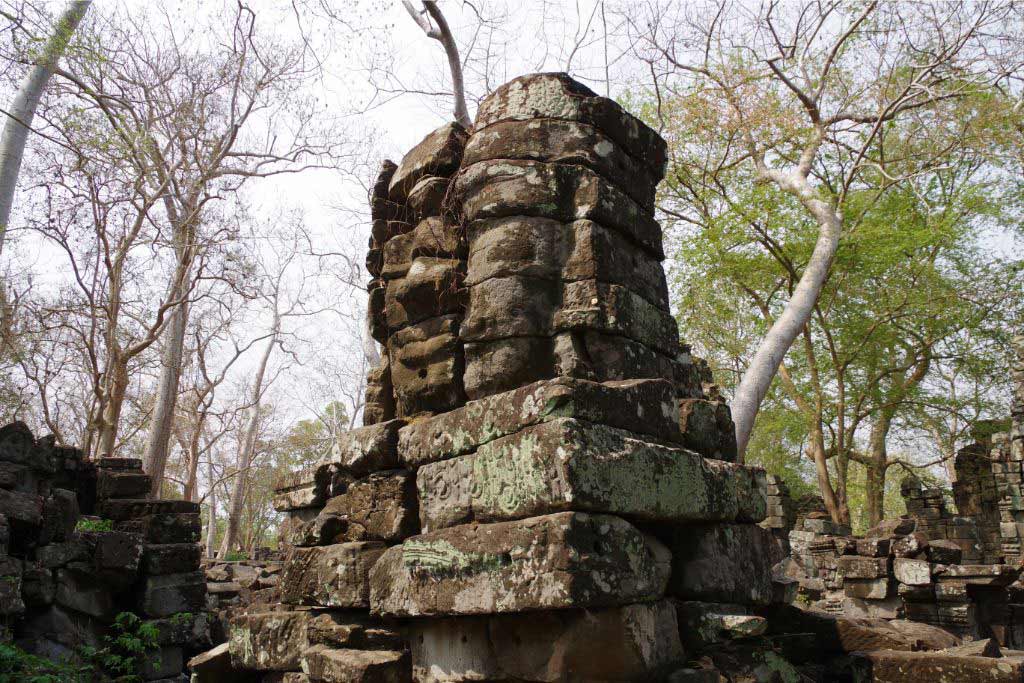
[(987, 647), (652, 412), (269, 641), (569, 559), (630, 643), (981, 574), (912, 667), (298, 490), (569, 464), (122, 484), (353, 630), (329, 576), (727, 563), (854, 567), (438, 154), (322, 663), (214, 666), (126, 508)]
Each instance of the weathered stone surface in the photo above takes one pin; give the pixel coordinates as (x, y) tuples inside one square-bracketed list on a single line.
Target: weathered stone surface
[(165, 528), (11, 601), (547, 249), (854, 567), (165, 595), (438, 154), (269, 641), (721, 563), (563, 560), (329, 576), (912, 667), (297, 490), (707, 428), (353, 630), (380, 393), (705, 623), (867, 589), (912, 572), (60, 515), (431, 288), (214, 666), (941, 551), (566, 142), (561, 192), (382, 506), (83, 593), (569, 464), (365, 450), (980, 574), (463, 430), (124, 509), (427, 366), (426, 198), (122, 484), (557, 96), (432, 237), (322, 663), (631, 643), (873, 547), (22, 510), (171, 558), (910, 545)]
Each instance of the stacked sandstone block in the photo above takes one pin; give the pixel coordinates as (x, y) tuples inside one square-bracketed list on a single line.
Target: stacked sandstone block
[(560, 515), (1008, 465), (62, 588), (524, 503)]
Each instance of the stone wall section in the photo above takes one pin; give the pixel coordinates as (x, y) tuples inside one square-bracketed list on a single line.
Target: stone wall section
[(61, 587)]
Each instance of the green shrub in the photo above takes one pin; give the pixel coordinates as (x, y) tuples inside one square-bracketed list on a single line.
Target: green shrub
[(235, 556), (18, 666), (94, 525), (132, 640)]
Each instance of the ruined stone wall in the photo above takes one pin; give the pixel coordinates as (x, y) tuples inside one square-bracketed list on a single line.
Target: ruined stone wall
[(62, 588), (543, 490), (1007, 455)]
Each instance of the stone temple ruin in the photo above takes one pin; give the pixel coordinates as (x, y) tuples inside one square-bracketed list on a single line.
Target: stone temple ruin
[(545, 487)]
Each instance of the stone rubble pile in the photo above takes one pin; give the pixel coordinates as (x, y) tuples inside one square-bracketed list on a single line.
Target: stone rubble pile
[(62, 586)]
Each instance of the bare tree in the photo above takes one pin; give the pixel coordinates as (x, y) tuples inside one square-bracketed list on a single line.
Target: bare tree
[(23, 109), (434, 25)]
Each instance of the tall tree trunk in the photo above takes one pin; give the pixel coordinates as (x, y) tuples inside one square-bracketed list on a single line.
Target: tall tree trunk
[(246, 449), (162, 421), (816, 448), (879, 457), (23, 108), (116, 389), (211, 522), (773, 348)]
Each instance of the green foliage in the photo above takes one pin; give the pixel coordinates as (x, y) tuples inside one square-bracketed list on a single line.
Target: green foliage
[(18, 666), (94, 525), (131, 642), (236, 556)]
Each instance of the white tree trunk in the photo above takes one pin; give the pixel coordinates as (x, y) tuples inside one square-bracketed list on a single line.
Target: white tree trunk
[(23, 108), (246, 449), (772, 350), (211, 528), (162, 420)]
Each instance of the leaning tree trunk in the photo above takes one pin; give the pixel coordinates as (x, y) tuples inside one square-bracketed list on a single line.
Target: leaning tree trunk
[(211, 523), (23, 108), (246, 449), (773, 348)]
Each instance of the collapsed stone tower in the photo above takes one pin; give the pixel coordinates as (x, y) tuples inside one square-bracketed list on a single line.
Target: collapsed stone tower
[(544, 480)]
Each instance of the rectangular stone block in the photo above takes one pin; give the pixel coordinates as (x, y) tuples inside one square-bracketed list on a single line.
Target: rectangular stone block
[(329, 576), (912, 572), (322, 663), (126, 508), (854, 567), (171, 558), (380, 507), (365, 449), (464, 429), (165, 595), (721, 563), (867, 589), (122, 484), (630, 643), (269, 641), (570, 559), (568, 464), (298, 490)]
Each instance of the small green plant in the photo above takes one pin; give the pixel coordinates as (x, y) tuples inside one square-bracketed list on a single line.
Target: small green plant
[(18, 666), (181, 618), (235, 556), (94, 525), (131, 643)]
